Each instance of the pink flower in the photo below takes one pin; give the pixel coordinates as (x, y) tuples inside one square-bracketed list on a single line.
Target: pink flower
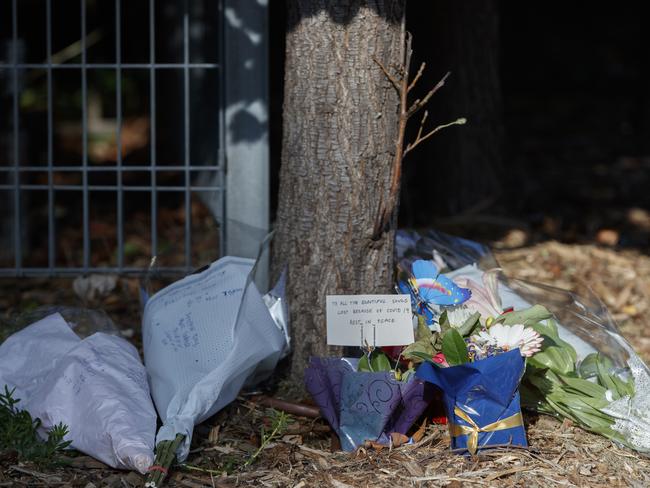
[(440, 359), (485, 299)]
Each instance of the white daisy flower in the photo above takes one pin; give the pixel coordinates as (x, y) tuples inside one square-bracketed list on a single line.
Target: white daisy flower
[(457, 316), (509, 337)]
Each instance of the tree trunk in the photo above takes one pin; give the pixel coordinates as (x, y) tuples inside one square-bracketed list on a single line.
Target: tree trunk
[(339, 129)]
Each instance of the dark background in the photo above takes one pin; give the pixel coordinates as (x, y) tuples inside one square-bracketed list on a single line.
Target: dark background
[(558, 136), (557, 144)]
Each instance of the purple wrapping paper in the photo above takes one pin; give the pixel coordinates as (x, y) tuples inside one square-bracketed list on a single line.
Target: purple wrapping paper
[(363, 406)]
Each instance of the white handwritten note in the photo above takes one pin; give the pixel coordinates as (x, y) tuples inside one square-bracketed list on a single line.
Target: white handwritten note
[(379, 320)]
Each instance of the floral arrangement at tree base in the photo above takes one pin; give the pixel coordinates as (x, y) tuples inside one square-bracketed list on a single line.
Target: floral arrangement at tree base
[(578, 367), (365, 400), (482, 401), (474, 352)]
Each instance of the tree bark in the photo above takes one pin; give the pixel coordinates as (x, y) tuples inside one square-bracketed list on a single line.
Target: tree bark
[(340, 123)]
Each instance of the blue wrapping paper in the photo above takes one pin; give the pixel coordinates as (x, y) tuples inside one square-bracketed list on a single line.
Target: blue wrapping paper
[(363, 406), (483, 393)]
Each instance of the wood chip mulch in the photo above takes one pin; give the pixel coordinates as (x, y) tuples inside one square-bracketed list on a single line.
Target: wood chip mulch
[(560, 454)]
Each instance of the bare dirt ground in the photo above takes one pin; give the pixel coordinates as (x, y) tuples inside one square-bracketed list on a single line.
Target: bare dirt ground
[(559, 454)]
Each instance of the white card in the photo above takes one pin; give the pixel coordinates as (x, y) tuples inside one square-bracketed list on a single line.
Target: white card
[(378, 320)]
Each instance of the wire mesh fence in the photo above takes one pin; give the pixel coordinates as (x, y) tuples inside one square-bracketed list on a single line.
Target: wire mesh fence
[(106, 159)]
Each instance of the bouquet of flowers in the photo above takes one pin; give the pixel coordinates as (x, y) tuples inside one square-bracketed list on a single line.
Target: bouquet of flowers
[(474, 352), (366, 399), (482, 401), (578, 365)]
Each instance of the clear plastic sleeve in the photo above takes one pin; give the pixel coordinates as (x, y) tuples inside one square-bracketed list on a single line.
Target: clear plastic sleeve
[(586, 371)]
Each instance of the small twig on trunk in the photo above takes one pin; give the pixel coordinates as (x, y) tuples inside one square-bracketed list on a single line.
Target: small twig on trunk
[(390, 77), (424, 119), (420, 139), (386, 207), (418, 104), (417, 76), (388, 203)]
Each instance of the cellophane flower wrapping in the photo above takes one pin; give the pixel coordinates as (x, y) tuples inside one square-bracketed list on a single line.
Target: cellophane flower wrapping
[(481, 400), (364, 406), (586, 372)]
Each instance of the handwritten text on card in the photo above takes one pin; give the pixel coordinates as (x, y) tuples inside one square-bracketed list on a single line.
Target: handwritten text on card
[(378, 320)]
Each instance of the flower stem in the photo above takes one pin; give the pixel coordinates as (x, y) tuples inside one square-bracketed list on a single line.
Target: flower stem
[(165, 455)]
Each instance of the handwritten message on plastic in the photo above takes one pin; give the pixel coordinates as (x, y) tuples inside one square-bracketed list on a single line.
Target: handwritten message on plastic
[(374, 320)]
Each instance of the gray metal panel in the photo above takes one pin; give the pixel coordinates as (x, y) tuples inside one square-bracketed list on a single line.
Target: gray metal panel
[(247, 120)]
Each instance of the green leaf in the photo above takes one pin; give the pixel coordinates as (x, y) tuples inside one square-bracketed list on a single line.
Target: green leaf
[(562, 411), (380, 361), (417, 350), (604, 362), (580, 403), (454, 348), (624, 388), (555, 358), (443, 321), (423, 345), (423, 357), (588, 366), (604, 366), (584, 387), (423, 333), (18, 434), (550, 332), (364, 365), (132, 248), (594, 422), (545, 331), (532, 399), (552, 377), (528, 317), (469, 325)]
